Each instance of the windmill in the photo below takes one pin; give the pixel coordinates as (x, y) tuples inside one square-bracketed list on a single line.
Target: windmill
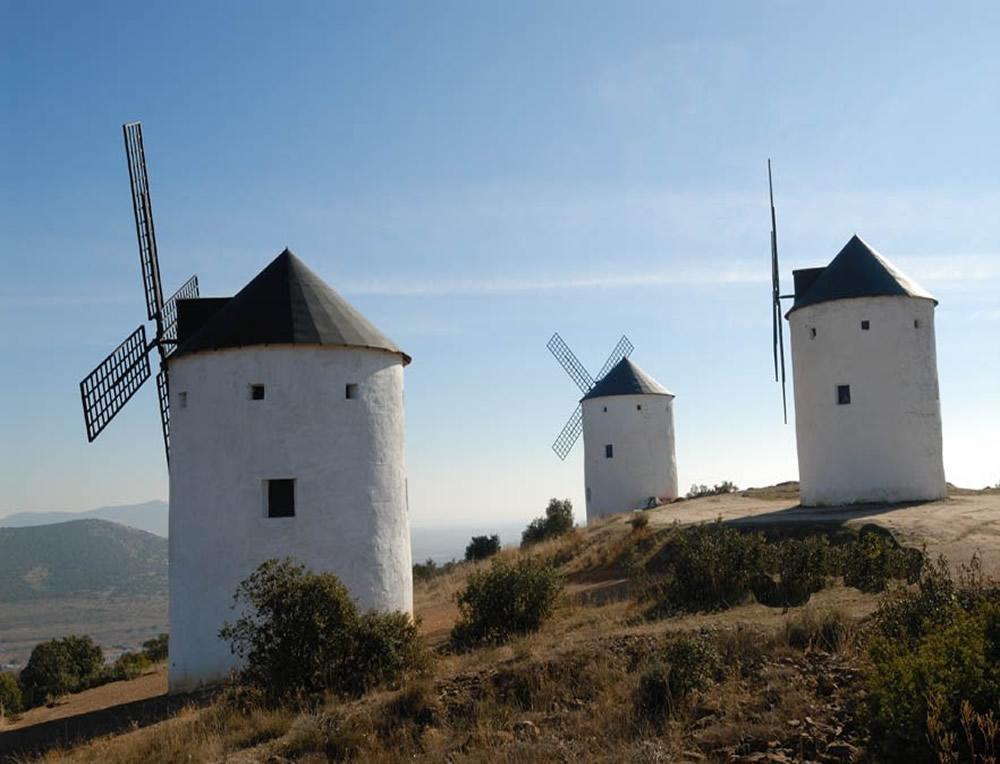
[(777, 330), (106, 390), (579, 374)]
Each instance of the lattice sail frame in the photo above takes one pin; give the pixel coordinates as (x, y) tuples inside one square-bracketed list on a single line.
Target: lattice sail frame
[(168, 337), (142, 207), (579, 374), (115, 380)]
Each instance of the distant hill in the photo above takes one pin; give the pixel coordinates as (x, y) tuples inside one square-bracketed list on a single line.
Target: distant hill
[(80, 556), (150, 516)]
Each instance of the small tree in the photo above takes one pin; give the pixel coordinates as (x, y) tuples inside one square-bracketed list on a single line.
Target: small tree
[(156, 648), (300, 633), (482, 547), (61, 666), (504, 600), (11, 699), (557, 521)]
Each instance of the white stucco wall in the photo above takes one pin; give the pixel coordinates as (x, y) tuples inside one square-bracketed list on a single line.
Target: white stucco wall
[(644, 464), (345, 455), (885, 446)]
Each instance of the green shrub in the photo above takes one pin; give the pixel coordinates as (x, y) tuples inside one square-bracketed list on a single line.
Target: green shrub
[(481, 547), (689, 664), (801, 567), (61, 666), (708, 567), (870, 562), (11, 700), (557, 521), (301, 634), (128, 666), (932, 652), (156, 648), (504, 600)]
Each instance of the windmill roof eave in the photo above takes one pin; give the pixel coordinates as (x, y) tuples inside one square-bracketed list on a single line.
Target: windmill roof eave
[(286, 304), (625, 378), (858, 271)]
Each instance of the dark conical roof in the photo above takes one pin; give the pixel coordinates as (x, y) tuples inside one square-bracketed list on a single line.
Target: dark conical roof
[(625, 378), (858, 271), (286, 303)]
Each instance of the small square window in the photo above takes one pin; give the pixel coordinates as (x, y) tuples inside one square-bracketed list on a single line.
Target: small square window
[(812, 331), (351, 391), (866, 325), (609, 451), (182, 400), (281, 498), (916, 323), (256, 392), (638, 407), (605, 409), (843, 395)]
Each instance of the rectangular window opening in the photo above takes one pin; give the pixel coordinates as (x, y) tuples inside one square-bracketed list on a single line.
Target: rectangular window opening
[(843, 395), (638, 407), (812, 331), (866, 325), (256, 392), (916, 323), (351, 391), (281, 498), (182, 400), (609, 451)]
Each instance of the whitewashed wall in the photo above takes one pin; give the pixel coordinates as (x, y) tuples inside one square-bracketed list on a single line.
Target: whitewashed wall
[(644, 463), (346, 456), (886, 445)]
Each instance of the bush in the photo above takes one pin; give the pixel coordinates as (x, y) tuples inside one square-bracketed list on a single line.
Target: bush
[(697, 491), (831, 630), (481, 547), (11, 700), (557, 521), (802, 567), (128, 666), (689, 664), (932, 653), (504, 600), (639, 522), (156, 648), (870, 562), (301, 634), (61, 666)]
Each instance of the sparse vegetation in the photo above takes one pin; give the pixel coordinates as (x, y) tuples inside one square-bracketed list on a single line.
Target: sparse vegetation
[(425, 571), (301, 635), (507, 599), (482, 547), (156, 648), (557, 521), (639, 522), (697, 491), (688, 664), (11, 698)]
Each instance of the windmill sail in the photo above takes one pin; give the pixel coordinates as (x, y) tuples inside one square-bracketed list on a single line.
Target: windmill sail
[(777, 329), (115, 380), (143, 209), (168, 339), (570, 432), (576, 370)]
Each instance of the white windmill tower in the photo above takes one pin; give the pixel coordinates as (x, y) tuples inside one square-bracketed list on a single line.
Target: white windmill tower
[(627, 422), (864, 362), (283, 420)]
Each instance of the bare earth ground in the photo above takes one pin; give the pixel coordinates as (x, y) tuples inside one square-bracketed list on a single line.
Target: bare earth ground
[(597, 614)]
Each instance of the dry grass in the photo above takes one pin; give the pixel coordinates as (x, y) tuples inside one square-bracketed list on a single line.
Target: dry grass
[(567, 692)]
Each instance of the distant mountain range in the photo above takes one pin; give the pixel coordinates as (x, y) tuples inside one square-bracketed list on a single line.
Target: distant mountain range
[(150, 516), (80, 556)]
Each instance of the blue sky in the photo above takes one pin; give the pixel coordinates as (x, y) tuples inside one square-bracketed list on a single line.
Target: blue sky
[(475, 176)]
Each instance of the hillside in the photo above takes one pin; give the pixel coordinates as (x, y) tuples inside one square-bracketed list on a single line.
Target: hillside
[(80, 557), (149, 516), (787, 687)]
